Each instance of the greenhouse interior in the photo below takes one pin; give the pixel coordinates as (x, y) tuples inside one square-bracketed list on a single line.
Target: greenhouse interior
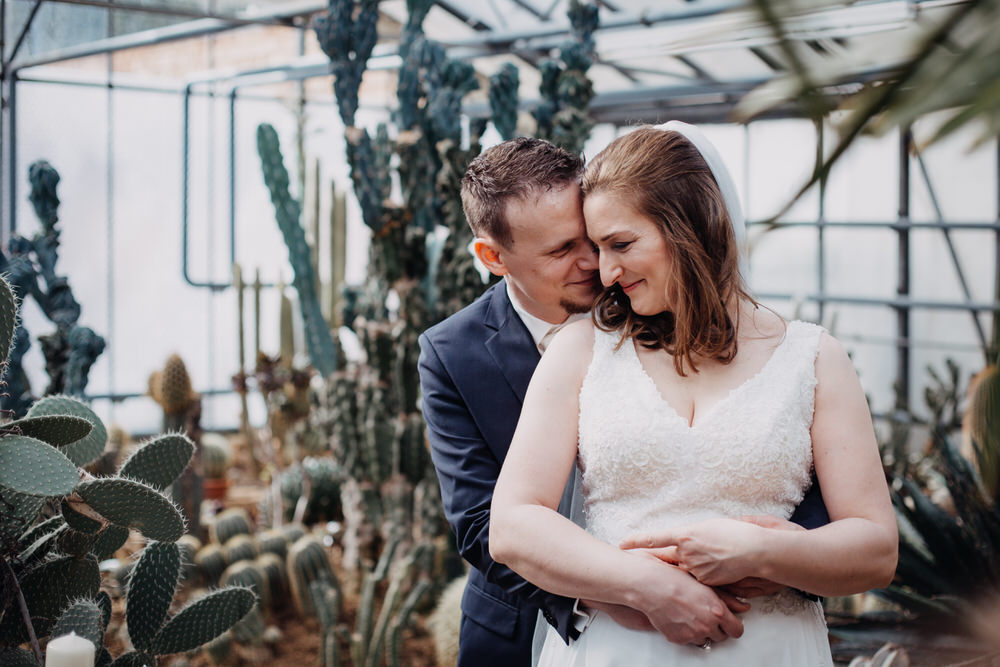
[(237, 262)]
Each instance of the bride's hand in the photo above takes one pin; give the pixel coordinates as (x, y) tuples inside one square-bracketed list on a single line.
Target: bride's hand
[(716, 551)]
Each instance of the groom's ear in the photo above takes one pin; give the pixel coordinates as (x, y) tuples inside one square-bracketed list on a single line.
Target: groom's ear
[(489, 253)]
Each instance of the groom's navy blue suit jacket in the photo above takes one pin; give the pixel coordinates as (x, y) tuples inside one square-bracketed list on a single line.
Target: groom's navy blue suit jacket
[(474, 371)]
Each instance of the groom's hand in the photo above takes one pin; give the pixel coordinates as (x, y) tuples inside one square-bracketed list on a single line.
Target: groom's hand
[(620, 614)]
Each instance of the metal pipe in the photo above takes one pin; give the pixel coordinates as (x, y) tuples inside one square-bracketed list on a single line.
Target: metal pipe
[(185, 205), (898, 303), (24, 33), (12, 153), (284, 10), (903, 273), (821, 219), (170, 10)]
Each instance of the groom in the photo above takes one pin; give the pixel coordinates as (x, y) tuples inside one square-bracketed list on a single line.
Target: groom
[(522, 200)]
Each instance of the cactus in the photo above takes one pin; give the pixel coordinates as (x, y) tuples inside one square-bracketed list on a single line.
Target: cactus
[(565, 89), (981, 429), (230, 523), (319, 341), (151, 589), (30, 267), (51, 566), (211, 562), (445, 622), (135, 505), (203, 620), (86, 449), (503, 99), (171, 388), (160, 461), (239, 547), (57, 430), (308, 562), (248, 574), (215, 455), (272, 566), (35, 468), (85, 618)]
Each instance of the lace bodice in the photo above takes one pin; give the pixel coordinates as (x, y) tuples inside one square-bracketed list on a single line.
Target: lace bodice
[(644, 467)]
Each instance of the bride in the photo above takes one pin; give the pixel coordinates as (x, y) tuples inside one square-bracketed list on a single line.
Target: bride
[(689, 408)]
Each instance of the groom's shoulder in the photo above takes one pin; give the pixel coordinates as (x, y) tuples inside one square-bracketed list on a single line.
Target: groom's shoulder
[(463, 324)]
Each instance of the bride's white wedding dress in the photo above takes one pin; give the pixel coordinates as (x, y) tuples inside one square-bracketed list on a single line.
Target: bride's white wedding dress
[(644, 467)]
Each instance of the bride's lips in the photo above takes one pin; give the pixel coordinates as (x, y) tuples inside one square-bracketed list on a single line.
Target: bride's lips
[(630, 286)]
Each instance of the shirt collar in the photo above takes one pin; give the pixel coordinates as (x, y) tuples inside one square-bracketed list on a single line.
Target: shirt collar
[(536, 326)]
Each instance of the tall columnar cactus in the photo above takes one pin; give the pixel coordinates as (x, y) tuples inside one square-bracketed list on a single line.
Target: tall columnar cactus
[(566, 91), (30, 266), (319, 340), (50, 567)]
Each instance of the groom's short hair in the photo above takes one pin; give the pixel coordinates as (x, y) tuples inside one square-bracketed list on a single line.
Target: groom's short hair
[(513, 170)]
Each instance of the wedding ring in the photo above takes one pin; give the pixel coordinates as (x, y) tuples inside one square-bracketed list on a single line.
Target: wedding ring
[(706, 645)]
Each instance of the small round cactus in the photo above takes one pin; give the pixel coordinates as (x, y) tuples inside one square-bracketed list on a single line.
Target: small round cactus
[(230, 523), (239, 547)]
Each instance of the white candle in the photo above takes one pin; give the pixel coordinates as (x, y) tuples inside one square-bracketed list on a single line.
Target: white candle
[(69, 650)]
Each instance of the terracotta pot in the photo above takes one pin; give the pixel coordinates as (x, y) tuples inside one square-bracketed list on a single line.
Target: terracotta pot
[(216, 488)]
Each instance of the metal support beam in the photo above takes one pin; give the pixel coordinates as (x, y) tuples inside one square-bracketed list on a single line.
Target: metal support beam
[(959, 273), (173, 10), (198, 28), (20, 38), (903, 272)]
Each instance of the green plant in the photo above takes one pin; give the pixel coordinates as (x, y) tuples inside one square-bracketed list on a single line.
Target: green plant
[(949, 556), (30, 268), (307, 562), (320, 342), (230, 523), (950, 63), (58, 522)]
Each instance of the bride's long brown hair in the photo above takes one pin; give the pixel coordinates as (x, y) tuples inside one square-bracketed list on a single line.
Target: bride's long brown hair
[(663, 177)]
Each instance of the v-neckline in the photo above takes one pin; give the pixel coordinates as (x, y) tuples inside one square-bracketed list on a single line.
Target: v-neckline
[(693, 426)]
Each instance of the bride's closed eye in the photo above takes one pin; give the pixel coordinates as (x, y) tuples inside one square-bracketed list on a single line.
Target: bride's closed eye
[(621, 245)]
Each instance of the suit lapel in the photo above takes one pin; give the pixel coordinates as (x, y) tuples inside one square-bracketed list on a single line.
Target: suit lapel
[(511, 346)]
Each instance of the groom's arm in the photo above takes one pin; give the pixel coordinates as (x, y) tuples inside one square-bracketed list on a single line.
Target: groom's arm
[(467, 472), (811, 512)]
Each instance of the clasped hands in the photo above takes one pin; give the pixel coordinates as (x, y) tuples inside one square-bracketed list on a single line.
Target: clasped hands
[(716, 563)]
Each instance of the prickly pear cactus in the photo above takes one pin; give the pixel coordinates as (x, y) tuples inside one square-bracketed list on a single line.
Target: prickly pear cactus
[(52, 564)]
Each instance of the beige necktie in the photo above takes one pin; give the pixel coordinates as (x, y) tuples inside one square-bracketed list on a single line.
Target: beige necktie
[(549, 335)]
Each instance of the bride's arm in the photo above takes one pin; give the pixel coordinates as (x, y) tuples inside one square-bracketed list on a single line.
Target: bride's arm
[(856, 552), (529, 536)]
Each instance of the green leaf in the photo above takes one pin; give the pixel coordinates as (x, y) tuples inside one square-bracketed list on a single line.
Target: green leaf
[(82, 451), (129, 503), (34, 468), (56, 430), (160, 461), (204, 620), (151, 589)]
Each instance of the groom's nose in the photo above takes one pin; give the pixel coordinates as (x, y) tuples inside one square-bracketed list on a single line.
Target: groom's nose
[(587, 260)]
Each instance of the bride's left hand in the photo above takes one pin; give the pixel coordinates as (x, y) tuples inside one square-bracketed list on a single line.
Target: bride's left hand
[(716, 551)]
